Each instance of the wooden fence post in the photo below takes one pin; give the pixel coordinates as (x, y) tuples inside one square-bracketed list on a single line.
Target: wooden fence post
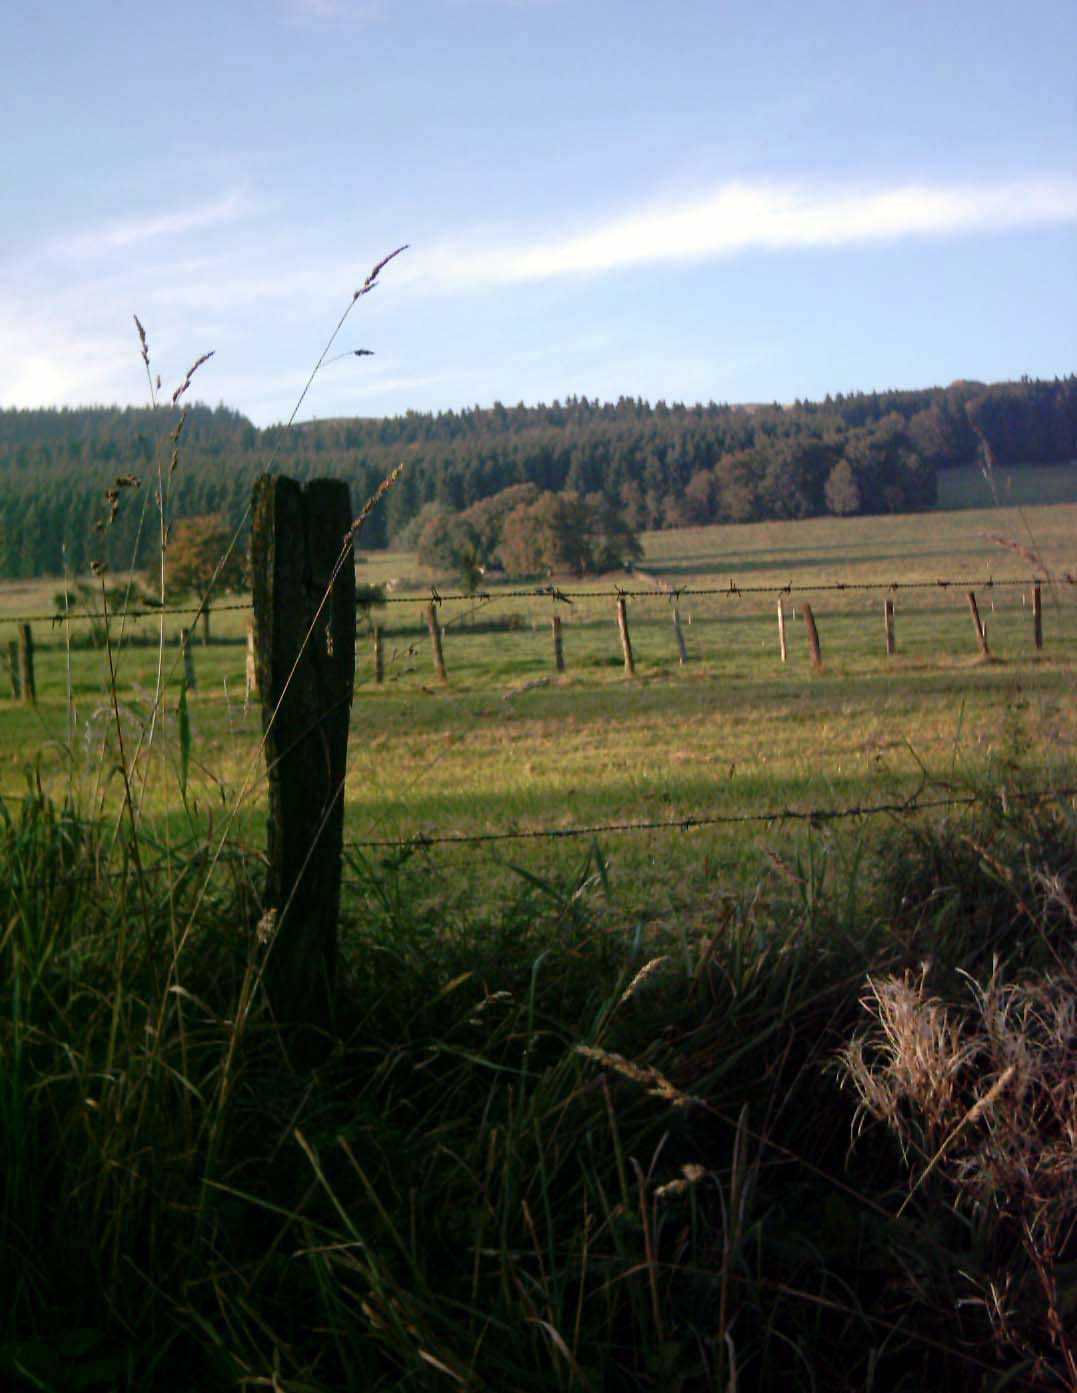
[(813, 639), (781, 627), (27, 690), (888, 621), (303, 575), (190, 681), (435, 641), (626, 638), (682, 651), (252, 666), (379, 656), (13, 666), (558, 646), (981, 637), (1037, 615)]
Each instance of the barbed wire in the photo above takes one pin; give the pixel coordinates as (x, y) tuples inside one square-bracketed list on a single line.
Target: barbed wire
[(732, 589), (57, 617), (557, 594), (814, 816)]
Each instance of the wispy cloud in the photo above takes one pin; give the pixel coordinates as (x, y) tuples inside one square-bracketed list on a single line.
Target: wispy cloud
[(743, 216), (252, 291), (123, 234)]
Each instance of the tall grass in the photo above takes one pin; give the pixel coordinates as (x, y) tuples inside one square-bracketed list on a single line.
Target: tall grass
[(536, 1152)]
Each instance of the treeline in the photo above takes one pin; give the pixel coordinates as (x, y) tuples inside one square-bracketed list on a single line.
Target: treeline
[(660, 465)]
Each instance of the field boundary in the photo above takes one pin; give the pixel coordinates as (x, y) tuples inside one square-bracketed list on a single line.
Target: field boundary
[(813, 816), (557, 594)]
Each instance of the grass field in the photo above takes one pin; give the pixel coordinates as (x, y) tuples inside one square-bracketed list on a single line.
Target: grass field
[(765, 1106), (733, 731)]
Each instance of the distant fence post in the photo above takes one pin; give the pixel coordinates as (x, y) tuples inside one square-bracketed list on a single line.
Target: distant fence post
[(435, 641), (27, 690), (1037, 615), (252, 666), (626, 638), (558, 646), (981, 637), (379, 656), (304, 637), (813, 639), (888, 621), (781, 628), (189, 679), (682, 651), (13, 666)]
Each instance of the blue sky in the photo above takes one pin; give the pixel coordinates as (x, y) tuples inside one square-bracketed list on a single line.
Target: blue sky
[(696, 201)]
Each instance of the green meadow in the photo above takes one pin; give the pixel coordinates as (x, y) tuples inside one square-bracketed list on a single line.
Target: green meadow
[(508, 745), (774, 1103)]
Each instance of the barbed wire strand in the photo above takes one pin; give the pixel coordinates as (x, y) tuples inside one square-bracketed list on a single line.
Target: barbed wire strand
[(814, 816), (685, 824), (732, 590)]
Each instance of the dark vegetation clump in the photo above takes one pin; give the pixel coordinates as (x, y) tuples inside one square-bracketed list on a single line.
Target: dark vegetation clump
[(829, 1144)]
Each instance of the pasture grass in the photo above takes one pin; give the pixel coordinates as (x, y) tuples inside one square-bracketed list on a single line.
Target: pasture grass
[(510, 746), (582, 1120)]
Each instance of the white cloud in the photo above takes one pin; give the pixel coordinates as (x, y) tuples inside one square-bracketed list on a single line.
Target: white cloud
[(743, 216), (256, 292), (125, 233), (53, 367)]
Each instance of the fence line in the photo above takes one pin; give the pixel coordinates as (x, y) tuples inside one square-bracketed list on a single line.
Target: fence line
[(555, 593), (672, 592), (814, 816), (76, 616)]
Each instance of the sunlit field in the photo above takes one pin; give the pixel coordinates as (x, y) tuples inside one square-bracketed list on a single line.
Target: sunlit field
[(511, 746)]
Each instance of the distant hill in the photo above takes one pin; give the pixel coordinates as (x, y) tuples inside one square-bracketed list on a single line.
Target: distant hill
[(662, 465)]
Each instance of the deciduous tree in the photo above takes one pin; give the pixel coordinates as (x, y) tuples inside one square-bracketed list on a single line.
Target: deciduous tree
[(201, 559)]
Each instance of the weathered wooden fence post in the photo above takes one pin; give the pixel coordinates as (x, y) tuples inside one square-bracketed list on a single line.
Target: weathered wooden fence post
[(888, 621), (781, 628), (379, 656), (435, 641), (813, 639), (682, 651), (27, 690), (13, 666), (981, 637), (626, 638), (252, 666), (190, 681), (1037, 615), (558, 646), (304, 634)]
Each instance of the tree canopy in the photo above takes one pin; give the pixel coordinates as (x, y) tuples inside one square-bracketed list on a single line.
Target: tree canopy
[(526, 532), (657, 465), (199, 555)]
